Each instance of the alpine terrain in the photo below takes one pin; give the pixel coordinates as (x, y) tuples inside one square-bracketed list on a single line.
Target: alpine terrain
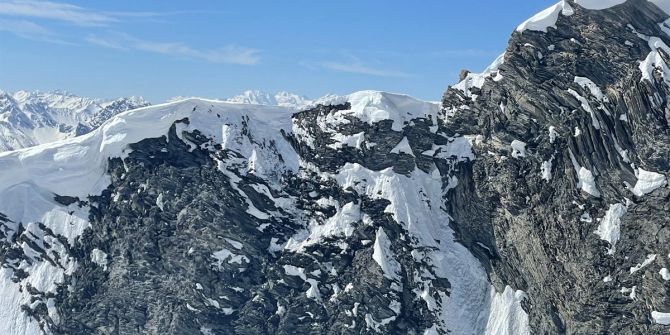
[(31, 118), (532, 200), (282, 98)]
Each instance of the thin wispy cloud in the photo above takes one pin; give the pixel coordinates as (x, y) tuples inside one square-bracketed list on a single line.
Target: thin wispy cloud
[(159, 14), (55, 11), (350, 62), (105, 43), (230, 54), (30, 30), (78, 15), (362, 69), (22, 13)]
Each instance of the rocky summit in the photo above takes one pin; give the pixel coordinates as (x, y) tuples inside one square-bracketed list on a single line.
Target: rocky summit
[(532, 200)]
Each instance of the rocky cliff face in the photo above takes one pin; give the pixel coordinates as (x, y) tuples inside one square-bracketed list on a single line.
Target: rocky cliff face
[(570, 172), (532, 201)]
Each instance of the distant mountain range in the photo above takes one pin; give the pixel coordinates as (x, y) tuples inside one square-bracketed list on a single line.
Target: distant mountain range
[(281, 98), (31, 118)]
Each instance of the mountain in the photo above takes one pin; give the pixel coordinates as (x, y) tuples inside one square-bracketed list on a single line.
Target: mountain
[(567, 194), (281, 98), (32, 118), (532, 201)]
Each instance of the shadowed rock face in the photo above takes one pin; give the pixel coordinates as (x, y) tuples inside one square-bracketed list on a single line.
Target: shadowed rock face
[(544, 230)]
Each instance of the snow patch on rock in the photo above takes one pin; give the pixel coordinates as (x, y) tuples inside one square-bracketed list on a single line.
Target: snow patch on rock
[(375, 106), (592, 87), (227, 256), (665, 274), (384, 256), (639, 266), (518, 149), (588, 182), (99, 257), (610, 225), (339, 225), (661, 318), (506, 316), (586, 106), (477, 79), (647, 182), (552, 134), (403, 147), (545, 169), (654, 60)]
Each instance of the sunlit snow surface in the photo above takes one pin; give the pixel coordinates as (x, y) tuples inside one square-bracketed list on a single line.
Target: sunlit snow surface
[(546, 18)]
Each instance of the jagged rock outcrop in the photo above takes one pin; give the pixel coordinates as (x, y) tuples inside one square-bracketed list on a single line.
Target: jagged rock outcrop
[(570, 170)]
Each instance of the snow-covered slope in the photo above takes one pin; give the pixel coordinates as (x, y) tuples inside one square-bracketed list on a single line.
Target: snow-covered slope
[(31, 118), (48, 166)]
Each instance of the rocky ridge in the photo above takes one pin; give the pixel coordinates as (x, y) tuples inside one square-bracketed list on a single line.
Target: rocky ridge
[(570, 177)]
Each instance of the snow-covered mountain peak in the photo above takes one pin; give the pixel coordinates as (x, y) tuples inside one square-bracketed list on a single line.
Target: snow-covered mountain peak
[(548, 17), (235, 126), (34, 117), (281, 98), (88, 154), (372, 106), (215, 119), (254, 97)]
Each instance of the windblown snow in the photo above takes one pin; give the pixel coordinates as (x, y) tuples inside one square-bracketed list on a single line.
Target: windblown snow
[(546, 18)]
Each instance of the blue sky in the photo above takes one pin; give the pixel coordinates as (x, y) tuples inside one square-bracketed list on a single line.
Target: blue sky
[(216, 49)]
